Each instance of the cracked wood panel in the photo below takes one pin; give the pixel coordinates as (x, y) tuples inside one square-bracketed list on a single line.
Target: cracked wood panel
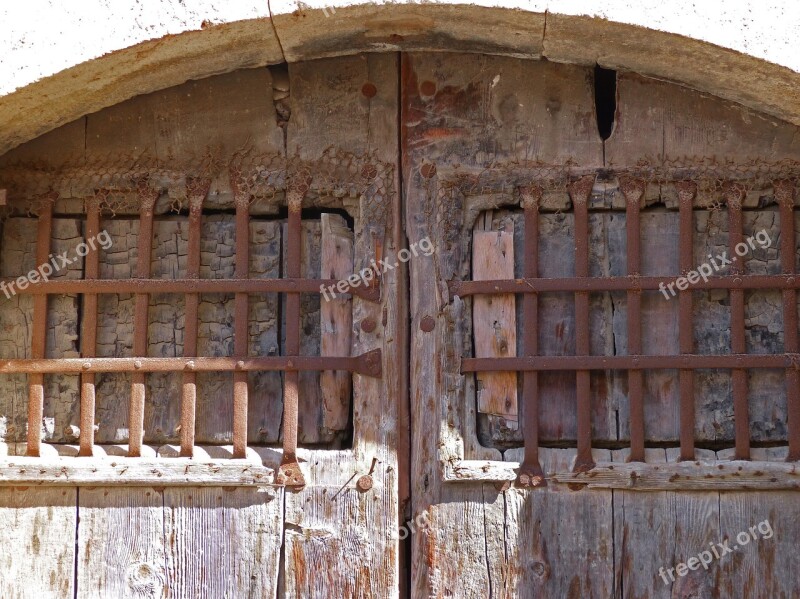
[(223, 542), (347, 541), (37, 556), (659, 530), (469, 112), (559, 542)]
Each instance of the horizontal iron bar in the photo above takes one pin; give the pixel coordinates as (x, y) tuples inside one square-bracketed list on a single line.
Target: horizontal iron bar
[(683, 361), (367, 364), (190, 286), (625, 283)]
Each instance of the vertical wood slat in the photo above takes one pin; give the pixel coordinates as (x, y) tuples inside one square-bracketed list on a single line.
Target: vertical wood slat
[(530, 472), (240, 333), (289, 472), (44, 230), (89, 326), (686, 194), (336, 318), (633, 191), (494, 321), (735, 195), (784, 193), (197, 195), (147, 200), (580, 193)]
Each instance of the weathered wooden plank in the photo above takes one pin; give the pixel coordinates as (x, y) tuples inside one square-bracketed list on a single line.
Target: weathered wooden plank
[(347, 541), (763, 531), (338, 537), (336, 320), (494, 322), (644, 536), (223, 542), (687, 476), (543, 561), (121, 544), (310, 393), (37, 556)]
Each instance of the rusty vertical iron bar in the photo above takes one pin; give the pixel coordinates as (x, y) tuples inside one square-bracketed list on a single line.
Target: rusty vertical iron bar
[(580, 193), (147, 199), (197, 195), (89, 325), (240, 334), (734, 196), (785, 194), (289, 472), (44, 230), (530, 472), (633, 190), (686, 194)]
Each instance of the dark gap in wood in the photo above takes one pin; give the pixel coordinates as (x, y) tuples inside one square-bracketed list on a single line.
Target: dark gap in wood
[(605, 100)]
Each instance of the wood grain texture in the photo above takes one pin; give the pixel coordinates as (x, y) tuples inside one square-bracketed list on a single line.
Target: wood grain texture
[(121, 544), (222, 542), (336, 319), (37, 556), (494, 322)]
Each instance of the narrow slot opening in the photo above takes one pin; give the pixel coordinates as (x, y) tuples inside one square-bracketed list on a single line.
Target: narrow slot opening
[(605, 100)]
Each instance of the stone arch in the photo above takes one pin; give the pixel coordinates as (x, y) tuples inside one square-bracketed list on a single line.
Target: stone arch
[(204, 49)]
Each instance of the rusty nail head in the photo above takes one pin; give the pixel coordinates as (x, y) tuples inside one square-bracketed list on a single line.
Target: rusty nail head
[(137, 364), (190, 365), (87, 365), (428, 170), (369, 90), (239, 365), (428, 88), (368, 325), (364, 483), (427, 324)]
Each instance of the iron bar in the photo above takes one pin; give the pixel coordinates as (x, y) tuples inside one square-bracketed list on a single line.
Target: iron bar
[(686, 195), (627, 283), (235, 285), (367, 364), (289, 472), (44, 229), (580, 192), (197, 195), (785, 193), (633, 191), (735, 195), (89, 326), (651, 362), (147, 200), (530, 472), (240, 334)]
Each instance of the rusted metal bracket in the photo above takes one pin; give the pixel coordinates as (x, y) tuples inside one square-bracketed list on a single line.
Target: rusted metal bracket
[(289, 473)]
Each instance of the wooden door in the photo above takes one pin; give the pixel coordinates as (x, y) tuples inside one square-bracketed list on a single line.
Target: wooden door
[(549, 374)]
